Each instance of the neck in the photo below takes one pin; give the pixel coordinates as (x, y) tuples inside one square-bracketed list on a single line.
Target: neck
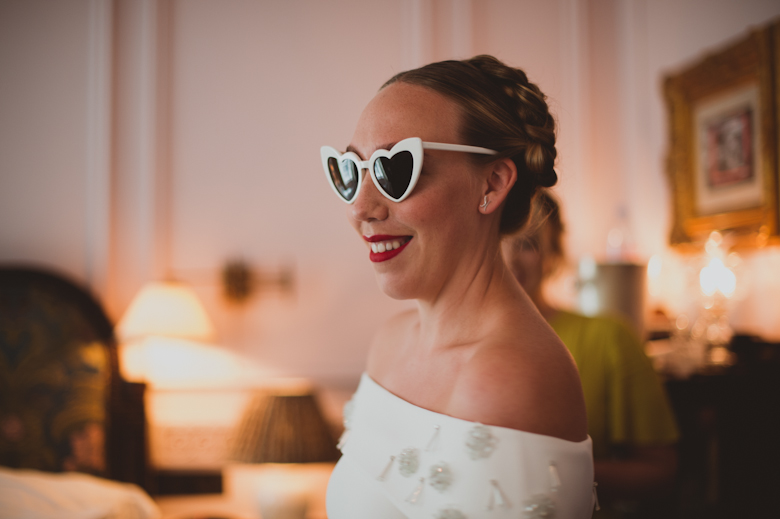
[(546, 309), (461, 312)]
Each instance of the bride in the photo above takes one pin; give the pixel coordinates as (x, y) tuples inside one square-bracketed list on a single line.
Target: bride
[(470, 405)]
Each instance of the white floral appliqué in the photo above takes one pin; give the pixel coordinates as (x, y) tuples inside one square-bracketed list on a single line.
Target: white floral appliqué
[(441, 476), (480, 443), (408, 461), (348, 409), (538, 506)]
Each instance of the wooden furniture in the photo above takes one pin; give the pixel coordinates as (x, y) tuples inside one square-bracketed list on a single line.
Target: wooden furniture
[(730, 436), (52, 328), (237, 502)]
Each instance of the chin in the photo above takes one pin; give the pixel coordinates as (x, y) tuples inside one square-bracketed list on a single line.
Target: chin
[(400, 289)]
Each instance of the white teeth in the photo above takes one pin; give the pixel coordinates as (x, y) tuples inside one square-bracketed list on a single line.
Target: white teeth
[(384, 246)]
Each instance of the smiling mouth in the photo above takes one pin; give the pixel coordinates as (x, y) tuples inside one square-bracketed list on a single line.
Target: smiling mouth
[(388, 245), (385, 247)]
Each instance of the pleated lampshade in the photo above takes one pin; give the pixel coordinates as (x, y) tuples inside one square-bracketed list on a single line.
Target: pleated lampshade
[(284, 428)]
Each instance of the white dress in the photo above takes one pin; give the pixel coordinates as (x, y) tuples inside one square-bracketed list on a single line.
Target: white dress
[(402, 461)]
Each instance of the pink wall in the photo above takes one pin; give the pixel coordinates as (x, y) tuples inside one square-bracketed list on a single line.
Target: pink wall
[(43, 111), (218, 110)]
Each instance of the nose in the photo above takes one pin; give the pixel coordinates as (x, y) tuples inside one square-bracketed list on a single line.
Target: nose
[(370, 204)]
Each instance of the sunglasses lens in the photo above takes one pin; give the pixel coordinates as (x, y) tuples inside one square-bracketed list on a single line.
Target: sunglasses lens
[(395, 173), (344, 176)]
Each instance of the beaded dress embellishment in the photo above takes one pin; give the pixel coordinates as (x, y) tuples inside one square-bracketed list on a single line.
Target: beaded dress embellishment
[(408, 461), (348, 410), (538, 506), (449, 513), (441, 476), (480, 442)]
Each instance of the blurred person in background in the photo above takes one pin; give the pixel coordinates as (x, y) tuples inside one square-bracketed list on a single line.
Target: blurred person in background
[(630, 421)]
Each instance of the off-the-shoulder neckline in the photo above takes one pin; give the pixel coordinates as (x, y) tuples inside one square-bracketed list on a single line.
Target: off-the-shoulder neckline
[(367, 378)]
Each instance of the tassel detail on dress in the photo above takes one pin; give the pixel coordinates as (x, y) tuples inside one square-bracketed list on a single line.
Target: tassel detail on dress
[(596, 497), (416, 492), (497, 497), (433, 442), (555, 479), (385, 472)]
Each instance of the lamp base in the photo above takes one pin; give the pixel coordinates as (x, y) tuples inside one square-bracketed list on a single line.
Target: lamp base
[(278, 491), (283, 497)]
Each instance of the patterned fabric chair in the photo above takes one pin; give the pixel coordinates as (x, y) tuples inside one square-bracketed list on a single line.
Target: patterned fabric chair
[(63, 405)]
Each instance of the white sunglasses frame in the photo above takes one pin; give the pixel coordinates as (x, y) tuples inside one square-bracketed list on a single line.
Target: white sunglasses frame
[(413, 145)]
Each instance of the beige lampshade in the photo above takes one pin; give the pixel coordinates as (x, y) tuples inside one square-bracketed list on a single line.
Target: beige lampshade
[(284, 428), (168, 309)]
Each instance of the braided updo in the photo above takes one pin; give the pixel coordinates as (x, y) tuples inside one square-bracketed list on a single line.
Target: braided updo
[(502, 111)]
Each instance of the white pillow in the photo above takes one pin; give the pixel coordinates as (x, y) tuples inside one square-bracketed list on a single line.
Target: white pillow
[(42, 495)]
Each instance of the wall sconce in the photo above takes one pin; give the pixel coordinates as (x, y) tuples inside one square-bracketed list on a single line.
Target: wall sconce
[(279, 430), (240, 281)]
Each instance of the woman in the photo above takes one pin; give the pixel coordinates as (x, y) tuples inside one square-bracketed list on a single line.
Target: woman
[(630, 420), (470, 404)]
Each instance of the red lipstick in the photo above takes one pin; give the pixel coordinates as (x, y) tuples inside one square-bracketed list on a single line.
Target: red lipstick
[(377, 257)]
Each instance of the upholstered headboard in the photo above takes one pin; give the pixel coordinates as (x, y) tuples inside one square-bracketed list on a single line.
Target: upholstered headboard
[(63, 404)]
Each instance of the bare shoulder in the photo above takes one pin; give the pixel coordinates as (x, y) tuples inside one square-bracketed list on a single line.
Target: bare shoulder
[(527, 382)]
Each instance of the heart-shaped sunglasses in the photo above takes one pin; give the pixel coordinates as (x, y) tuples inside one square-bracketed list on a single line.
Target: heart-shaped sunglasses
[(394, 172)]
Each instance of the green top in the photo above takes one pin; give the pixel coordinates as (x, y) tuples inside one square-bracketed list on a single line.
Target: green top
[(624, 398)]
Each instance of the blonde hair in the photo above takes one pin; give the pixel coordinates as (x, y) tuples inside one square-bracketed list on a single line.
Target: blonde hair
[(546, 222)]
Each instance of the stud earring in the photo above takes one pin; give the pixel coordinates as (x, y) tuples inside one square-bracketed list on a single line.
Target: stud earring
[(484, 205)]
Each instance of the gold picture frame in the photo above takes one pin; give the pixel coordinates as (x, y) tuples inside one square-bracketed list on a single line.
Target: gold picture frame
[(722, 162)]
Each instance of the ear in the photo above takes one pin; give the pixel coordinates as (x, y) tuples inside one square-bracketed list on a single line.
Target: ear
[(499, 181)]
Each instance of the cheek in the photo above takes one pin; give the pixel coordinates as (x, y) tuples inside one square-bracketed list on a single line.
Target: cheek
[(437, 219), (448, 204)]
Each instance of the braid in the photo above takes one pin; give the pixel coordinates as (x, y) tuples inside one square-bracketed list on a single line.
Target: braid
[(528, 104), (502, 111)]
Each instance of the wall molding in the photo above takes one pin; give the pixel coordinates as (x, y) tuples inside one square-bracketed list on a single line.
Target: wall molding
[(98, 144), (416, 33), (462, 36), (154, 135)]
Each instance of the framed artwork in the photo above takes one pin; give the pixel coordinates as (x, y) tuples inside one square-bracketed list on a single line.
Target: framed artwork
[(722, 162)]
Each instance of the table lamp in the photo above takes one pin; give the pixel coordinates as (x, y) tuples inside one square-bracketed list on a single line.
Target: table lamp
[(169, 309), (161, 314), (281, 428)]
